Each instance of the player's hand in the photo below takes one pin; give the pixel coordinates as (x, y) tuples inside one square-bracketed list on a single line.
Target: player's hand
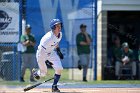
[(32, 43), (26, 43), (85, 33), (124, 63), (59, 53)]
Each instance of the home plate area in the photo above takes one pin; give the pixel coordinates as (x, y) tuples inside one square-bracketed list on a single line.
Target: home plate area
[(76, 87)]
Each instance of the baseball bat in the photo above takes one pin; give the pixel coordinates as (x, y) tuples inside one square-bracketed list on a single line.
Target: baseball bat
[(35, 85)]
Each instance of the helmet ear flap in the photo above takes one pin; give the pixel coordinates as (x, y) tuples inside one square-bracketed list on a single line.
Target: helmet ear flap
[(53, 28), (61, 25)]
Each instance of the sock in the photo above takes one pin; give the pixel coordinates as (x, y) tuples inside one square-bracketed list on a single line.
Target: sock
[(56, 79)]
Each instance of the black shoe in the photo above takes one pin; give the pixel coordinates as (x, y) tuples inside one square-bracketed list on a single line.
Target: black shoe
[(21, 79), (32, 80), (35, 75), (133, 77), (55, 89), (79, 67), (84, 79), (119, 78)]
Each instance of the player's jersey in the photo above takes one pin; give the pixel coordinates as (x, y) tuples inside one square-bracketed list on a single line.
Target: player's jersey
[(49, 41)]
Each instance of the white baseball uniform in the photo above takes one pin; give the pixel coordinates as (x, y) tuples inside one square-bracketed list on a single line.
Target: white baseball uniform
[(46, 51)]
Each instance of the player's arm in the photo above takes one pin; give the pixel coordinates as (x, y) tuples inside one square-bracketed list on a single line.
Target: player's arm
[(24, 41), (57, 46), (131, 57), (32, 43), (79, 41), (83, 43), (59, 52), (88, 39), (28, 43)]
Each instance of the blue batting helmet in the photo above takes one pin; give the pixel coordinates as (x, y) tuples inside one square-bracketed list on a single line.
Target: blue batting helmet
[(54, 22)]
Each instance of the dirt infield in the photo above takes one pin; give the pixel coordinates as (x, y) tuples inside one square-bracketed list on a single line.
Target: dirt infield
[(72, 90)]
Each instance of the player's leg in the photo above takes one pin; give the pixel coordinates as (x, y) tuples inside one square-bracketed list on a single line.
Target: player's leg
[(23, 66), (32, 63), (84, 61), (118, 65), (58, 70), (41, 58), (133, 65), (85, 69)]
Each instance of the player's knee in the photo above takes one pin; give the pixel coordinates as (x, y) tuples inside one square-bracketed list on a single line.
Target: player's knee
[(58, 71)]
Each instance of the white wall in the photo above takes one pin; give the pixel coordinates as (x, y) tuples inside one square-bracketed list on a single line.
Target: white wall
[(126, 5)]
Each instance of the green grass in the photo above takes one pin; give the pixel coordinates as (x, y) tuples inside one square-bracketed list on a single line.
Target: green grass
[(65, 78), (115, 82)]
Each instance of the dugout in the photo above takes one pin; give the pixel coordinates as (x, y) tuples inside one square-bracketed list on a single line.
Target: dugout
[(114, 17), (125, 25)]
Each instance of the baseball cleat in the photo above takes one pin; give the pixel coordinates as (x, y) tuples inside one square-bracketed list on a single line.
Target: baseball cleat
[(55, 89), (35, 75), (84, 79), (79, 67)]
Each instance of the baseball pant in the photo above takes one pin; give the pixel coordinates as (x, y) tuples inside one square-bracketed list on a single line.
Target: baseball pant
[(120, 64), (84, 61), (52, 57), (28, 61)]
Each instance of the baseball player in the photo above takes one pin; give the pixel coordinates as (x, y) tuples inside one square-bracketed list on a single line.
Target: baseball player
[(48, 51)]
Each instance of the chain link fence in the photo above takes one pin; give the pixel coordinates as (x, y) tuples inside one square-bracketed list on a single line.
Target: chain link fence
[(9, 62), (9, 34)]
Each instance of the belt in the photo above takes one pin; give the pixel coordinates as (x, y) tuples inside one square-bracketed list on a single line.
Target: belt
[(43, 47)]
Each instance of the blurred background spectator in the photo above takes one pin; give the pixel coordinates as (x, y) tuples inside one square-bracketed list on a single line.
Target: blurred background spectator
[(28, 56), (125, 58)]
